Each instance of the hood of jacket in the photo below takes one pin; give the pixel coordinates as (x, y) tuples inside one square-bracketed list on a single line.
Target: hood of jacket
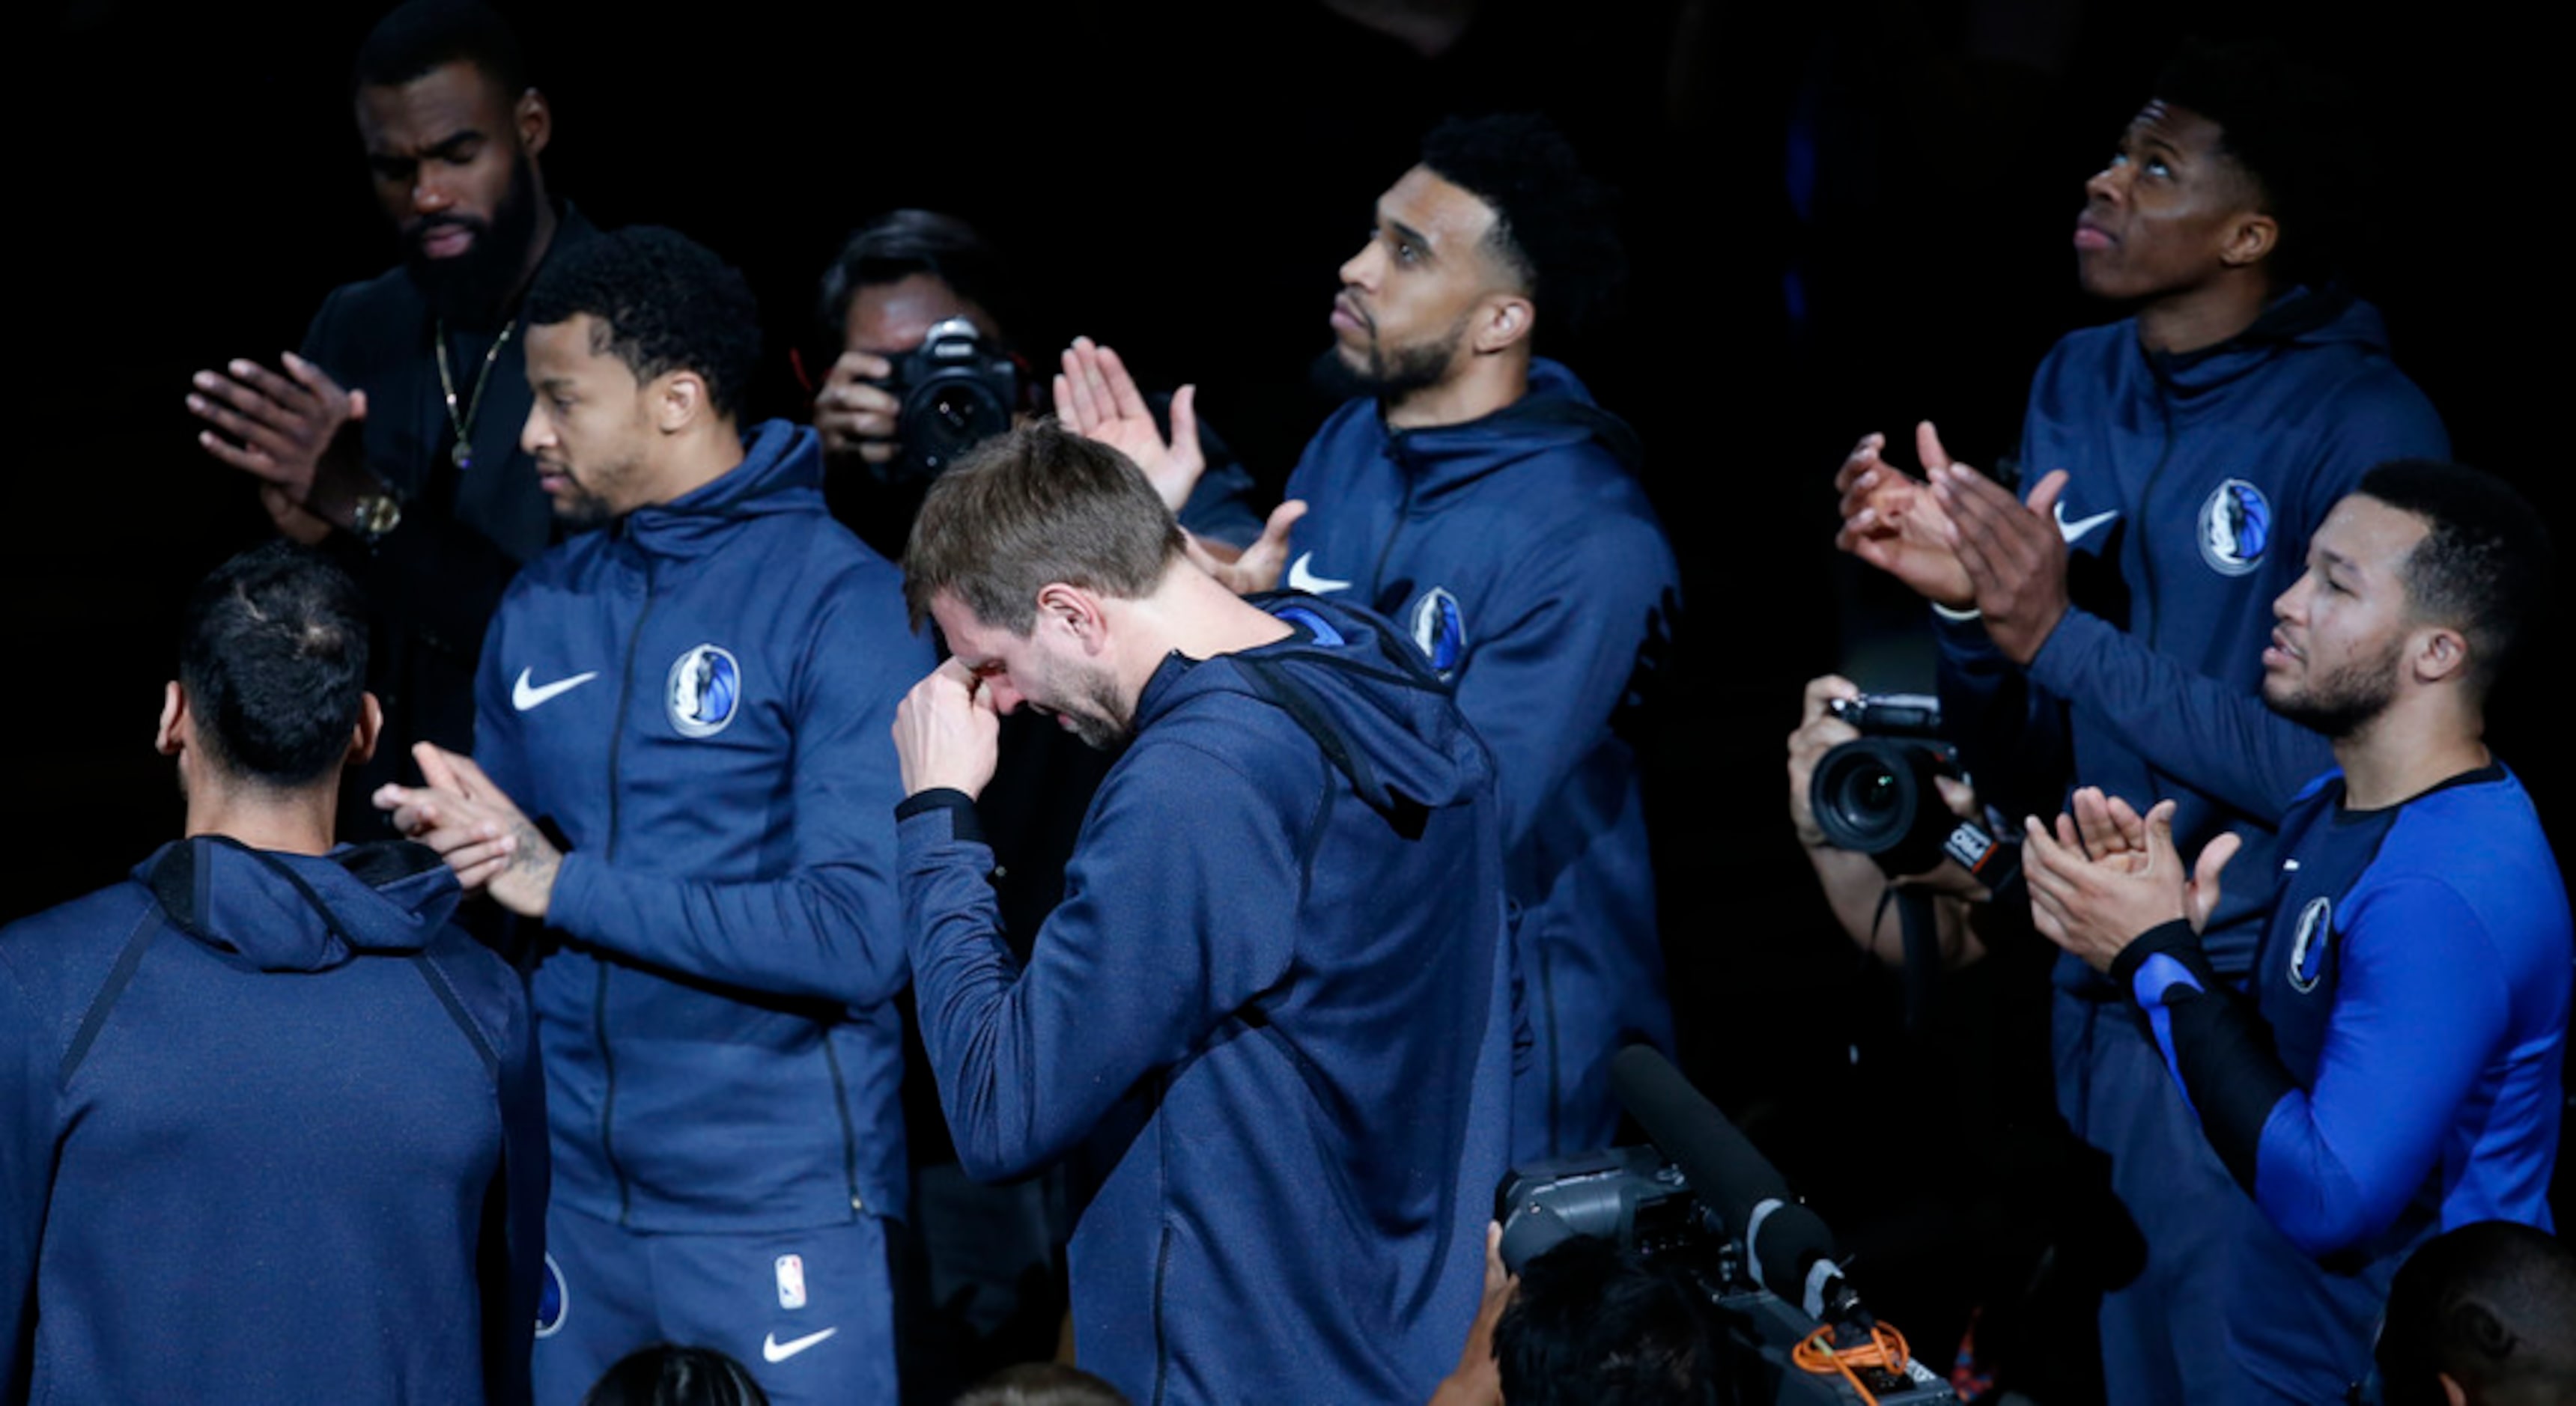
[(1556, 412), (1361, 690), (293, 912), (2300, 317), (781, 472)]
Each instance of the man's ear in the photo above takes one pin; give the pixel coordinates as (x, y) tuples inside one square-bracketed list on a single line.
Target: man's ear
[(1078, 611), (171, 738), (1504, 320), (2250, 240), (371, 725), (2452, 1391), (535, 119), (679, 399), (2440, 655)]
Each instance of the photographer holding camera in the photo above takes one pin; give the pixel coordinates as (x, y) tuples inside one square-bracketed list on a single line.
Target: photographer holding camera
[(1865, 896), (926, 370)]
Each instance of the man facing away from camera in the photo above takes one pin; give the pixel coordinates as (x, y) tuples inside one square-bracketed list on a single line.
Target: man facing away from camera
[(270, 1126)]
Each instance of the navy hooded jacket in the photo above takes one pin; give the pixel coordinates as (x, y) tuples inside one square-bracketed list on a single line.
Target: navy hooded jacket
[(1520, 554), (2195, 482), (700, 697), (270, 1130), (1270, 1024)]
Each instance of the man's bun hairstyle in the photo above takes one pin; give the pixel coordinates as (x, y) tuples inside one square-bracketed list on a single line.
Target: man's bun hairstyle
[(1554, 225), (273, 656)]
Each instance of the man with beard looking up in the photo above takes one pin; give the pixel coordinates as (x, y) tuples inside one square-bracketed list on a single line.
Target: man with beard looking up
[(2393, 1067), (1473, 493), (429, 502)]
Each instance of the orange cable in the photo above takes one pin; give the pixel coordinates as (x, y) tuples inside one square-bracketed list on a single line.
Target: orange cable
[(1816, 1353)]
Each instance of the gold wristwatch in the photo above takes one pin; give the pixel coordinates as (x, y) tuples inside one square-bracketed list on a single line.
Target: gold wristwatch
[(373, 515)]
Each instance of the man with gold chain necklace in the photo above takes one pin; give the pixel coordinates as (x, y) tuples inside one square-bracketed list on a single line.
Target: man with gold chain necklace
[(428, 501)]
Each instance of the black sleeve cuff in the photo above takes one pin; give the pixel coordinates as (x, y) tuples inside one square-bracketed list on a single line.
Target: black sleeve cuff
[(2174, 939), (963, 822)]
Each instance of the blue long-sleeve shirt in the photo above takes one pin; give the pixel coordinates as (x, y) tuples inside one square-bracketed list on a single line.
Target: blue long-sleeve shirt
[(2397, 1071)]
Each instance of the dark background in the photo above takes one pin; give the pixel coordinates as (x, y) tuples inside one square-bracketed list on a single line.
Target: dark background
[(1842, 217)]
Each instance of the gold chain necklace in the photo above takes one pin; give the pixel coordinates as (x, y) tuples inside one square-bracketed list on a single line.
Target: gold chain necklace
[(463, 454)]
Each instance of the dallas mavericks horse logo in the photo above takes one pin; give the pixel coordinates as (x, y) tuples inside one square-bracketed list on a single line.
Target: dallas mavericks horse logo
[(2235, 528), (1440, 630), (2308, 947), (704, 690)]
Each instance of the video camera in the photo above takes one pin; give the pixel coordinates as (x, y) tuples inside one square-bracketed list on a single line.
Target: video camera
[(1705, 1205), (958, 390), (1878, 794)]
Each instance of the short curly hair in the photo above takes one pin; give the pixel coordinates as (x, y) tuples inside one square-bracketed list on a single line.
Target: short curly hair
[(2290, 126), (1555, 226), (421, 35), (664, 303)]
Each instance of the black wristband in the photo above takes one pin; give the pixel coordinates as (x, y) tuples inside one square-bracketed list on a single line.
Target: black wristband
[(2174, 938)]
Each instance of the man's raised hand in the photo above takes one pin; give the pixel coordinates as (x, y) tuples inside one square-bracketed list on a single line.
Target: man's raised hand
[(1097, 399), (2014, 554), (1891, 520), (1256, 568), (280, 428), (947, 732), (477, 829)]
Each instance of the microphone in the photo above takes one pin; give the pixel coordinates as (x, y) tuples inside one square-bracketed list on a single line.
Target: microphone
[(1791, 1251)]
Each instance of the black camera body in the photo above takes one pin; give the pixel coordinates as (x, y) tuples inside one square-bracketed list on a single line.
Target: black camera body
[(958, 390), (1636, 1198), (1879, 794)]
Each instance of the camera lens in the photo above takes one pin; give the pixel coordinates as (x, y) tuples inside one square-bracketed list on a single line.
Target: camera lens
[(947, 415), (1876, 796), (1879, 794)]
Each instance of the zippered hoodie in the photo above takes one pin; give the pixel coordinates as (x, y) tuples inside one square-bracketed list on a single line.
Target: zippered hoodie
[(700, 697), (2195, 482), (1270, 1023), (270, 1130), (1520, 555)]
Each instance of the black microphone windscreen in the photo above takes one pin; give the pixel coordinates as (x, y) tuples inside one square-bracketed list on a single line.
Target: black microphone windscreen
[(1720, 1163)]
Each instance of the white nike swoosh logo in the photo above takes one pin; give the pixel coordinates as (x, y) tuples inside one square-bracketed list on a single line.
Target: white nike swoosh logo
[(772, 1350), (1301, 579), (523, 697), (2072, 530)]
